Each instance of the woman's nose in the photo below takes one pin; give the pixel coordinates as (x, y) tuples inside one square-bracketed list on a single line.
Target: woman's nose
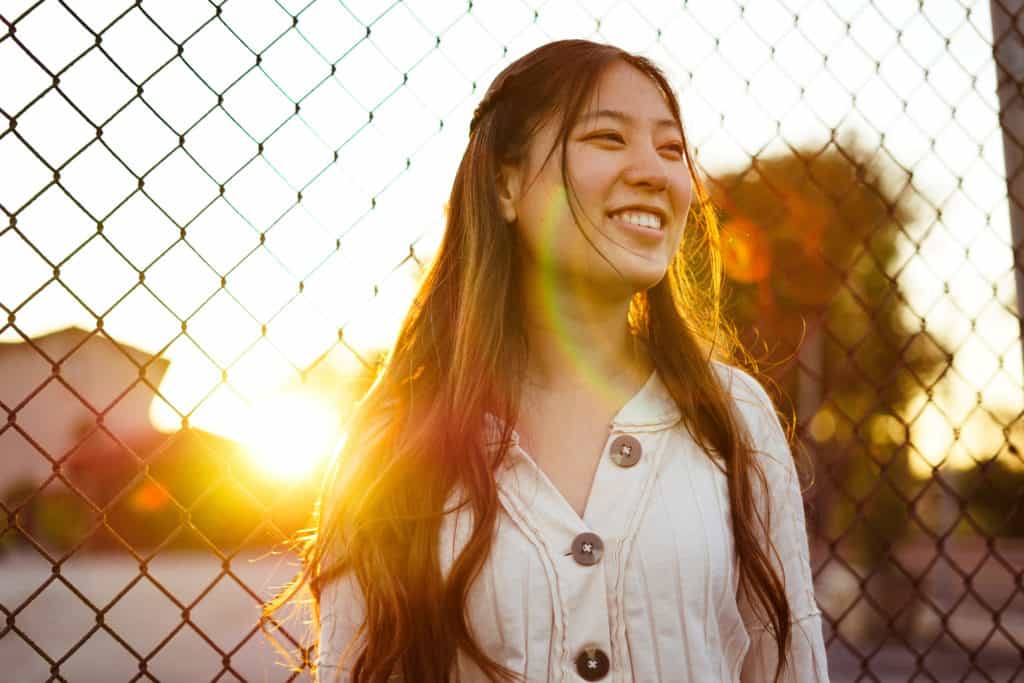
[(646, 168)]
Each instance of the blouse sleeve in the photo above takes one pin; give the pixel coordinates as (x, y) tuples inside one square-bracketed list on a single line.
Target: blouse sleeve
[(341, 613), (342, 609), (788, 536)]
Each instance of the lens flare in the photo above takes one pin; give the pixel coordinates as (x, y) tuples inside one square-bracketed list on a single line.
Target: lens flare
[(552, 315)]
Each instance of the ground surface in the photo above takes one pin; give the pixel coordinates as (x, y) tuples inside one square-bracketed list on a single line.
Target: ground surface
[(56, 619)]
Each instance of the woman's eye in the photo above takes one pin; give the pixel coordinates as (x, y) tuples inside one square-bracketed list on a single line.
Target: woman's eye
[(674, 148)]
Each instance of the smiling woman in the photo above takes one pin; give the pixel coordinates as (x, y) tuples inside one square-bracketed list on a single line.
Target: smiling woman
[(557, 474)]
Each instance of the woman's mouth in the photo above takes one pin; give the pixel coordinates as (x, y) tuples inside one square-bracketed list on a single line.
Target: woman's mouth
[(645, 224)]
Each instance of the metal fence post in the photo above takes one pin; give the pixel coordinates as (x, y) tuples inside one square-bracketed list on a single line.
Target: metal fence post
[(1008, 53)]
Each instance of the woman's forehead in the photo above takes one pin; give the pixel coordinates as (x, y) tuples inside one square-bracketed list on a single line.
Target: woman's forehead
[(627, 94), (621, 93)]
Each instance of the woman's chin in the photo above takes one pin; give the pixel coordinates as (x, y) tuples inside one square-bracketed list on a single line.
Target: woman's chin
[(642, 285), (642, 277), (626, 279), (632, 281)]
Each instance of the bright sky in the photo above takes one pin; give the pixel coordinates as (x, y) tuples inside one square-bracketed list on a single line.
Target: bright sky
[(943, 127)]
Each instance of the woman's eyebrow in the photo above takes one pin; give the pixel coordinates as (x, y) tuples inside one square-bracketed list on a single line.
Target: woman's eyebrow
[(624, 118)]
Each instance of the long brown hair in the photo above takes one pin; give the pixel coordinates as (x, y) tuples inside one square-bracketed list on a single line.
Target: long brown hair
[(461, 353)]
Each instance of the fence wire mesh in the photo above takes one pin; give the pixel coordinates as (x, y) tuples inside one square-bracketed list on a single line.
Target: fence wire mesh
[(215, 213)]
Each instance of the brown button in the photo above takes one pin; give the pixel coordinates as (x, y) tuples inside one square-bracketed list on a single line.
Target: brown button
[(587, 548), (626, 451), (592, 664)]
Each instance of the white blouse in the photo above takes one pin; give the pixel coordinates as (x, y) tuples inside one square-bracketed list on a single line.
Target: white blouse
[(644, 587)]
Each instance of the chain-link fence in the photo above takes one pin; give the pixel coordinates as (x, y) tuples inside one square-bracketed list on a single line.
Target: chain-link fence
[(215, 214)]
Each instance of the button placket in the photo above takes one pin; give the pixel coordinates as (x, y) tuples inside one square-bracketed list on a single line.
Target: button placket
[(587, 587), (621, 490)]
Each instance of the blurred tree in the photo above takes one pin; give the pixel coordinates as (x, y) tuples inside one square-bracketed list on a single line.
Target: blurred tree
[(993, 487), (811, 243)]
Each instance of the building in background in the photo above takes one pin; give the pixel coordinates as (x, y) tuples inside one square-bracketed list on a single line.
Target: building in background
[(59, 387), (82, 464)]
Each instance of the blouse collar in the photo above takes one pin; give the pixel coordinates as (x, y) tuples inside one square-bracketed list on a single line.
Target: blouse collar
[(652, 408)]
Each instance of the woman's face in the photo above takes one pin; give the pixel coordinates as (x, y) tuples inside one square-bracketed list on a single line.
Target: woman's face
[(628, 171)]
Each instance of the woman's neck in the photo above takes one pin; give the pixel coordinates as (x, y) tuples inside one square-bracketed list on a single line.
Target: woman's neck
[(580, 340)]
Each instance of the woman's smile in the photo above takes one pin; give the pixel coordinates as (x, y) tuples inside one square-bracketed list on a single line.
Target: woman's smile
[(647, 226)]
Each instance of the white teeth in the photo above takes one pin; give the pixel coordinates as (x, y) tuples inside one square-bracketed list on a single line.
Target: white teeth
[(641, 218)]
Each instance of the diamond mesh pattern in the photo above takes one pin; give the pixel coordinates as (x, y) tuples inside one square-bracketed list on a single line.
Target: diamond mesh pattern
[(250, 190)]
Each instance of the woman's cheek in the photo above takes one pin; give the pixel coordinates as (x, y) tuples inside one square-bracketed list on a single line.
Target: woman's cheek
[(590, 163)]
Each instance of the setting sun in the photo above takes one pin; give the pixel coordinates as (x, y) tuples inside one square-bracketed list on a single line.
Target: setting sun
[(289, 434), (285, 433)]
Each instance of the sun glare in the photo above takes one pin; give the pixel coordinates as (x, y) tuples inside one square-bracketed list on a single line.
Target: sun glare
[(285, 433), (290, 434)]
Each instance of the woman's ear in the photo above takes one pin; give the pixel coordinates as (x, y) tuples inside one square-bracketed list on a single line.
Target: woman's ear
[(508, 191)]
